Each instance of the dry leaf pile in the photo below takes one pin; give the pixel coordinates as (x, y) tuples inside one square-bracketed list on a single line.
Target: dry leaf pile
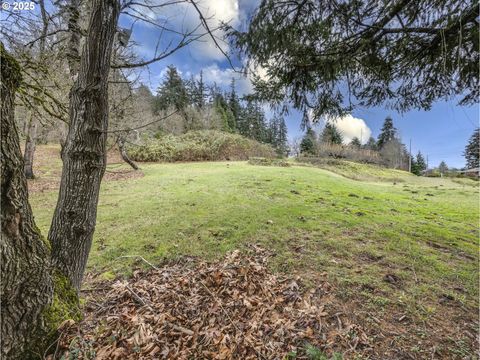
[(233, 308)]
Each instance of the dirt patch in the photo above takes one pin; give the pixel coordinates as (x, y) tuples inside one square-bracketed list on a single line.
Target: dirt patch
[(369, 257), (451, 251), (48, 169), (122, 175), (237, 309)]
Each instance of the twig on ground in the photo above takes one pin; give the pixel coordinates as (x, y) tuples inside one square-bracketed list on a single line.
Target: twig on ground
[(141, 258)]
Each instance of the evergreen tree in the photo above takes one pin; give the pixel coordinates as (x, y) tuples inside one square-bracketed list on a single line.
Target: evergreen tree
[(414, 169), (388, 133), (213, 91), (307, 145), (252, 122), (402, 54), (472, 150), (221, 107), (277, 135), (234, 104), (172, 92), (331, 135), (356, 143), (442, 168), (371, 144), (420, 163), (190, 86), (199, 93), (242, 122), (282, 137), (272, 132)]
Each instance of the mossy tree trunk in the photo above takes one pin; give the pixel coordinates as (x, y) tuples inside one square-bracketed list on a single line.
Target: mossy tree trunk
[(84, 152), (39, 287), (27, 286)]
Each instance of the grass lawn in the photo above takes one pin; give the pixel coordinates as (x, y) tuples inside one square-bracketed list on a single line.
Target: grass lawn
[(411, 244)]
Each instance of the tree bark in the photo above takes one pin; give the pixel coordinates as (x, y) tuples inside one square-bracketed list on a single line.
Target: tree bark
[(73, 46), (84, 153), (26, 287), (31, 140), (30, 145), (29, 294), (124, 154)]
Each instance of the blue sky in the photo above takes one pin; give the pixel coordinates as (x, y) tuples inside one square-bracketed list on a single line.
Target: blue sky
[(440, 133)]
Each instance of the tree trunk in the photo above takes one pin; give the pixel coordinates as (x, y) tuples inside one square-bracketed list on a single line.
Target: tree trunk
[(124, 154), (73, 46), (31, 139), (30, 301), (84, 153), (30, 144)]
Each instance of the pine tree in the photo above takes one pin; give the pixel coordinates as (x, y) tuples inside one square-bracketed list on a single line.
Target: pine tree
[(443, 168), (307, 145), (172, 92), (252, 123), (356, 143), (221, 107), (258, 126), (414, 169), (234, 104), (272, 132), (371, 144), (399, 54), (472, 151), (331, 135), (420, 163), (277, 135), (282, 137), (199, 94), (190, 86), (388, 133), (213, 91)]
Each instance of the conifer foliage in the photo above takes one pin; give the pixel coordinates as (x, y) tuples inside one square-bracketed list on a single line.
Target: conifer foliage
[(194, 98), (472, 151), (332, 56), (388, 133)]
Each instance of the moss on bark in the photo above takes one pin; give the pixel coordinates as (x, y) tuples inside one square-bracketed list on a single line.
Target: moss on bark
[(65, 303)]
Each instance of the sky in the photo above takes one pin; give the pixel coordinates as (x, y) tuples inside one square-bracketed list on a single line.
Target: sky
[(440, 133)]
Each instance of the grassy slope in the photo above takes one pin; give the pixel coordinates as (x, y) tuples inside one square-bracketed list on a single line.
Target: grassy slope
[(422, 230), (320, 224)]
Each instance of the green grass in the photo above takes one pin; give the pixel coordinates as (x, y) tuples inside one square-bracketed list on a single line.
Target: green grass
[(424, 231)]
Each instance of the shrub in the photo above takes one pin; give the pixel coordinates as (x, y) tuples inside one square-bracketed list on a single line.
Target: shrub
[(203, 145), (355, 170), (268, 162), (327, 150)]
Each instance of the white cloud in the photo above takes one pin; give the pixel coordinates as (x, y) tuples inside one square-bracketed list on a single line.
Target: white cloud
[(351, 127), (223, 77), (183, 17)]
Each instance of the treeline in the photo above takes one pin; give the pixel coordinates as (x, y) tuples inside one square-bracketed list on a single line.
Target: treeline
[(388, 149), (191, 104)]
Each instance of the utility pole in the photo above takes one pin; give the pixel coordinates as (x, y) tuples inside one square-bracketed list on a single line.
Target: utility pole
[(410, 157), (427, 162), (361, 136)]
